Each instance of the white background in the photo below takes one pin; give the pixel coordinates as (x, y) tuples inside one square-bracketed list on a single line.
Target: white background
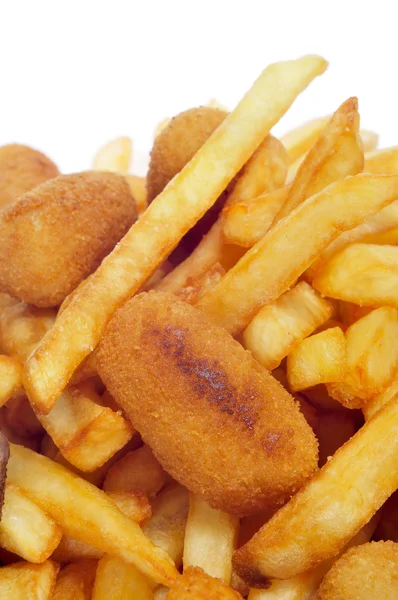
[(76, 74)]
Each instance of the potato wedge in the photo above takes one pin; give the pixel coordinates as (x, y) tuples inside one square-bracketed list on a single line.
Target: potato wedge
[(85, 513), (281, 325), (326, 513), (26, 581), (76, 581), (137, 470), (118, 580), (320, 358)]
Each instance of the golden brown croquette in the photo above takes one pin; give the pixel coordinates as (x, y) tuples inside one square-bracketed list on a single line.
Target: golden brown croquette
[(215, 419)]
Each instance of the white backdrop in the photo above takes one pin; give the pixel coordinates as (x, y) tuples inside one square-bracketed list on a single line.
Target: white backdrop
[(75, 74)]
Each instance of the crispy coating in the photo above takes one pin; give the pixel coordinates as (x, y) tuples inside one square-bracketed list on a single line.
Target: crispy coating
[(366, 572), (215, 419), (173, 148), (21, 169), (195, 584), (56, 235)]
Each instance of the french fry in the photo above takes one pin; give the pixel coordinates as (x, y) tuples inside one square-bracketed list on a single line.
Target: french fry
[(195, 584), (320, 358), (341, 206), (85, 513), (194, 289), (25, 529), (246, 223), (336, 154), (388, 237), (370, 139), (166, 527), (210, 539), (76, 581), (87, 434), (10, 378), (371, 407), (326, 513), (265, 171), (26, 581), (79, 327), (365, 274), (117, 580), (138, 189), (71, 550), (383, 161), (280, 326), (137, 470), (372, 358), (160, 593), (114, 156)]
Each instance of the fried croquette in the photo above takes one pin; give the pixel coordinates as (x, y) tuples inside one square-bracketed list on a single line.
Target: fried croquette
[(366, 572), (21, 169), (195, 584), (54, 236), (172, 149), (215, 419)]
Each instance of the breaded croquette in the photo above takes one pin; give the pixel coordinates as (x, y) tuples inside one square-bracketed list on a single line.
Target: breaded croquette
[(21, 169), (216, 420), (172, 149), (195, 584), (54, 236), (366, 572)]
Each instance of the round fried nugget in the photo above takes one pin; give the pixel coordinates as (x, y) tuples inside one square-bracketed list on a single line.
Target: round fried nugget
[(173, 148), (215, 419), (366, 572), (21, 169), (56, 235)]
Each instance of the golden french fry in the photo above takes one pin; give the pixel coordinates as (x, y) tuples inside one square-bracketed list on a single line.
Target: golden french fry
[(372, 358), (166, 526), (195, 584), (117, 580), (87, 434), (320, 358), (71, 550), (135, 505), (210, 539), (137, 470), (365, 274), (279, 326), (246, 223), (79, 327), (10, 377), (326, 513), (114, 156), (26, 581), (196, 288), (341, 206), (336, 154), (384, 161), (371, 407), (25, 529), (160, 593), (138, 189), (85, 513), (76, 581), (389, 237), (370, 139), (265, 171)]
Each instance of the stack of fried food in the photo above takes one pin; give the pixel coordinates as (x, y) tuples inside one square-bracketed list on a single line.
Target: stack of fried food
[(199, 369)]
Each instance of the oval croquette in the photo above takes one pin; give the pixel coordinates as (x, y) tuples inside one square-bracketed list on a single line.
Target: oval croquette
[(54, 236), (215, 419)]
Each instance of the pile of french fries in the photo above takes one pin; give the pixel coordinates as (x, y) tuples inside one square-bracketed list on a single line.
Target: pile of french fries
[(301, 268)]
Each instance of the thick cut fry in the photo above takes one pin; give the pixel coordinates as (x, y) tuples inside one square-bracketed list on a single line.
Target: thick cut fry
[(264, 172), (114, 156), (137, 470), (25, 581), (210, 539), (135, 505), (25, 529), (324, 515), (166, 527), (138, 189), (10, 377), (87, 434), (343, 205), (195, 289), (76, 581), (246, 223), (389, 237), (383, 161), (278, 327), (71, 550), (365, 274), (195, 584), (320, 358), (181, 204), (117, 580), (372, 358), (85, 513), (371, 407)]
